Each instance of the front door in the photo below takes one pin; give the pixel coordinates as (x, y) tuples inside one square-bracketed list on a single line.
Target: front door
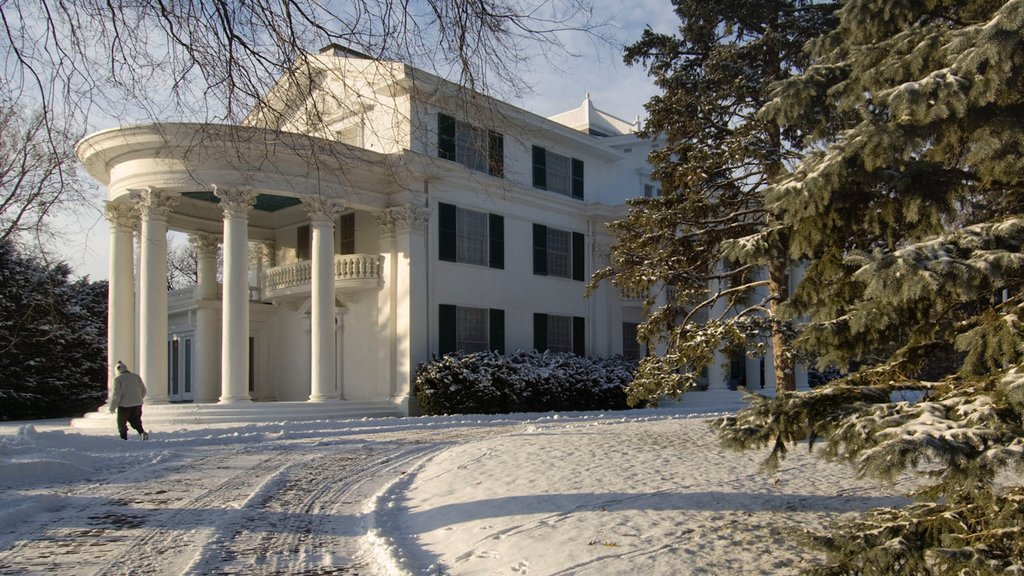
[(179, 369)]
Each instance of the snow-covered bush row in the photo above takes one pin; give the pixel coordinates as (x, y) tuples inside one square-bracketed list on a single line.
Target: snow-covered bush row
[(489, 383)]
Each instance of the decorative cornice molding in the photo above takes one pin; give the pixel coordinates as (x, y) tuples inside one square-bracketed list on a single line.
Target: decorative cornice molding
[(205, 244), (122, 217), (236, 202), (323, 211), (154, 204), (403, 219)]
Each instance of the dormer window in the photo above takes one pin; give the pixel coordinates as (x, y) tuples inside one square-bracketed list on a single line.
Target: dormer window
[(475, 148)]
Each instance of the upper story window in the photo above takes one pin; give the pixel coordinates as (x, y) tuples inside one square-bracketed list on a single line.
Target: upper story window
[(557, 253), (470, 237), (347, 234), (345, 238), (557, 173), (475, 148), (303, 236)]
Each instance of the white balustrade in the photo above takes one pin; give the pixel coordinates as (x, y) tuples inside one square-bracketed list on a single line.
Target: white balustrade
[(363, 269)]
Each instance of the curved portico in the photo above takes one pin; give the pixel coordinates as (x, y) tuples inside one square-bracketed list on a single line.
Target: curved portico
[(271, 328)]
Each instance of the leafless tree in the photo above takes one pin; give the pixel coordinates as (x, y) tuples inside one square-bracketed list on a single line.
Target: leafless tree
[(212, 60), (38, 172), (182, 266), (99, 63)]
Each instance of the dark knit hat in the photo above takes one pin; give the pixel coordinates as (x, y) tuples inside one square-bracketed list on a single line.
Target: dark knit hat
[(121, 367)]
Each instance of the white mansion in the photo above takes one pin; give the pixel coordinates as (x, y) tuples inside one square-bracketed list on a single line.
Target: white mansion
[(369, 220)]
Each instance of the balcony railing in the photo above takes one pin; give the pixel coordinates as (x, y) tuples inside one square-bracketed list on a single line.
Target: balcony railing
[(351, 272)]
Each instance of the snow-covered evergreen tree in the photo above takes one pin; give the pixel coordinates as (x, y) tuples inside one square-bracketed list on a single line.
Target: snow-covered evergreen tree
[(910, 213), (52, 339), (714, 159)]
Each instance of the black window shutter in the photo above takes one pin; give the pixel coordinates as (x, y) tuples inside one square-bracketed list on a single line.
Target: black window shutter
[(497, 328), (496, 154), (540, 168), (540, 332), (496, 229), (540, 250), (446, 249), (577, 179), (579, 336), (445, 137), (446, 323), (578, 272)]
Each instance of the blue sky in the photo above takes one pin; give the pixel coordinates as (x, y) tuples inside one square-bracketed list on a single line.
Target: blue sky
[(595, 69)]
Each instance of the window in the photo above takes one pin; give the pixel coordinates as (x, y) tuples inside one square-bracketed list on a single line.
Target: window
[(303, 235), (559, 333), (475, 148), (557, 253), (471, 237), (188, 366), (469, 329), (351, 135), (347, 234), (557, 173), (630, 345), (650, 191)]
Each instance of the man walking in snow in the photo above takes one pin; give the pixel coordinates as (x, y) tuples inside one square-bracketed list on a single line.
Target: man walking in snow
[(126, 399)]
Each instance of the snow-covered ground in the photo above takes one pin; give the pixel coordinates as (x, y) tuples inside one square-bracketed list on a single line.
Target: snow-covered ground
[(641, 492)]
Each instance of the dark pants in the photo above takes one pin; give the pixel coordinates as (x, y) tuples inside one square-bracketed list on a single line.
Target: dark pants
[(129, 415)]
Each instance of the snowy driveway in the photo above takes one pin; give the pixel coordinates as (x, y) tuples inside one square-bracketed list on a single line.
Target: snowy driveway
[(587, 494), (259, 499)]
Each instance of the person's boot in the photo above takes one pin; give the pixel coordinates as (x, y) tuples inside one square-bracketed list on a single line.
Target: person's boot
[(145, 435)]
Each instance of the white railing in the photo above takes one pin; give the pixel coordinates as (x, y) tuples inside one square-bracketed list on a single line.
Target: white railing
[(356, 270), (633, 294), (182, 297), (187, 297)]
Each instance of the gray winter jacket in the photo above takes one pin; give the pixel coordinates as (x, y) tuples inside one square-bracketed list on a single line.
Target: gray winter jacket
[(128, 391)]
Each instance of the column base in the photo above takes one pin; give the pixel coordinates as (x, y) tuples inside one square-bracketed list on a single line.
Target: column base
[(233, 400), (323, 399)]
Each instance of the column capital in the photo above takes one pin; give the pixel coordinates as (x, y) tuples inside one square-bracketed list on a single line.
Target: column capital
[(323, 211), (122, 216), (154, 204), (403, 219), (204, 243), (236, 202)]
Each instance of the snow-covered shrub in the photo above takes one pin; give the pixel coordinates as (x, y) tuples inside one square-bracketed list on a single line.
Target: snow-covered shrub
[(53, 338), (489, 383)]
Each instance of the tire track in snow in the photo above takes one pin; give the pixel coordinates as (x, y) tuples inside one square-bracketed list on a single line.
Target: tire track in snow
[(287, 506), (115, 523)]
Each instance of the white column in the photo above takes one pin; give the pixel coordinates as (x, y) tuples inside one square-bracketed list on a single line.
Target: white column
[(121, 292), (716, 371), (155, 207), (404, 232), (207, 343), (234, 363), (322, 379)]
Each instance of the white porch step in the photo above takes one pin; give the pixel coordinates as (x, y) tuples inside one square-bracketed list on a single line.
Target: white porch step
[(189, 415)]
